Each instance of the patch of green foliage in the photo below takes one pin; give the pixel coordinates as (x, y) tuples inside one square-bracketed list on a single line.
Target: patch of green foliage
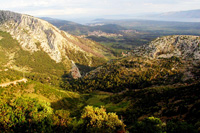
[(7, 75), (29, 115), (7, 41), (39, 62), (97, 120), (3, 57), (79, 58), (7, 45), (175, 105), (131, 73), (23, 114)]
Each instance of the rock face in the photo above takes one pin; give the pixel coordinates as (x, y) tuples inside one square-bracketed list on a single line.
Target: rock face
[(187, 47), (30, 31), (35, 34), (75, 71)]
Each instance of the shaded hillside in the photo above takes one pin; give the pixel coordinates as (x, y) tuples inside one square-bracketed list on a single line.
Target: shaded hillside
[(176, 105)]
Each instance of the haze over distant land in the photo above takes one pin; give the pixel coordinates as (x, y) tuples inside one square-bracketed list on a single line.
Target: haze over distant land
[(86, 10), (182, 16)]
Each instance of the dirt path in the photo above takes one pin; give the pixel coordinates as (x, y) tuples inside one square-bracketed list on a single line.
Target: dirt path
[(13, 82)]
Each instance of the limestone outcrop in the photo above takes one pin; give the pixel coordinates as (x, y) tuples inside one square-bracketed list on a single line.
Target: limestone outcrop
[(184, 46)]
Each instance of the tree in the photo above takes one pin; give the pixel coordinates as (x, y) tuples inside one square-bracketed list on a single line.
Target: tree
[(97, 120)]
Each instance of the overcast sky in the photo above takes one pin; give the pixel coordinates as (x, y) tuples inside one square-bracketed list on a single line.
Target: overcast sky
[(92, 8)]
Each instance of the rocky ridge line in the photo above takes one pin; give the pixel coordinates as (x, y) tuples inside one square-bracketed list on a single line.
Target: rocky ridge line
[(185, 46)]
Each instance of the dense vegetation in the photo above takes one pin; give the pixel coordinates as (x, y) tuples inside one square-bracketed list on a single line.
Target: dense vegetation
[(39, 62), (177, 106), (129, 74), (29, 115), (148, 95)]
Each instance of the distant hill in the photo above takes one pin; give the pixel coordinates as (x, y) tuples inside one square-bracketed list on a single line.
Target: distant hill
[(70, 27), (176, 16), (78, 29), (181, 14), (164, 27)]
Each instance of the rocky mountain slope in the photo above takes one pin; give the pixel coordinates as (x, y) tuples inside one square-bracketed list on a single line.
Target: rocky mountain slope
[(166, 60), (155, 88), (36, 35), (186, 47)]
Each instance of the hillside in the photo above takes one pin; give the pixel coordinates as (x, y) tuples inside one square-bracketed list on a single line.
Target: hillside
[(38, 38), (166, 60), (147, 90), (154, 88)]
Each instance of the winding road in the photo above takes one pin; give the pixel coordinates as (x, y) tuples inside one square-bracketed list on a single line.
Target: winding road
[(13, 82)]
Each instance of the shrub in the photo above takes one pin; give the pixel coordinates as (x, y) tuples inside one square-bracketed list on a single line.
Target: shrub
[(148, 125), (30, 115), (97, 120)]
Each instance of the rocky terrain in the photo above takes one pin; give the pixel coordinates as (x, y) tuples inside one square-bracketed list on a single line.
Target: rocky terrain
[(186, 47), (35, 35), (153, 89)]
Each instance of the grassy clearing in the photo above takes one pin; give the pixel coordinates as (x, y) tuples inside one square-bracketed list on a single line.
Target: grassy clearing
[(95, 100), (119, 107), (99, 99), (42, 92)]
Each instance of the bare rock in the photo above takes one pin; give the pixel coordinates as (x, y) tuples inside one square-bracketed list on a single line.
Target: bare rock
[(184, 46)]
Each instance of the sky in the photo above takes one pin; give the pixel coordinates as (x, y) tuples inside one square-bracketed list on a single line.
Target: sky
[(73, 9)]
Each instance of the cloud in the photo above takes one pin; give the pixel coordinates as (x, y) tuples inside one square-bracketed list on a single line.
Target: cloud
[(68, 11), (95, 7)]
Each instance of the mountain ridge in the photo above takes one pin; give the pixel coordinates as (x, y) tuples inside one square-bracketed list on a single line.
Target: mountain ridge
[(36, 35), (150, 90), (184, 46)]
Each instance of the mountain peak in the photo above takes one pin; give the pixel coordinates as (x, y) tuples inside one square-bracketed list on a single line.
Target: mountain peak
[(31, 31), (36, 35)]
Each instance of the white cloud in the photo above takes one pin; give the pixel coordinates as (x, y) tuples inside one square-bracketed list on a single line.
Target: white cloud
[(68, 11), (95, 7)]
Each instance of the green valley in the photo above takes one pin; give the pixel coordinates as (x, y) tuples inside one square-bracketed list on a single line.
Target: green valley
[(153, 88)]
